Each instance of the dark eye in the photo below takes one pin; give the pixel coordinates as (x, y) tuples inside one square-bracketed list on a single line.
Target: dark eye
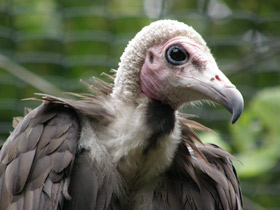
[(176, 55)]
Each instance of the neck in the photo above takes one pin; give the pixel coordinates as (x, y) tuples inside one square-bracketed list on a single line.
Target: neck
[(157, 119), (145, 134), (160, 118)]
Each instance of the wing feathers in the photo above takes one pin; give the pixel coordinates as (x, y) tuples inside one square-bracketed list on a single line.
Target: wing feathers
[(33, 136), (55, 143), (61, 160), (37, 158), (90, 187), (22, 166)]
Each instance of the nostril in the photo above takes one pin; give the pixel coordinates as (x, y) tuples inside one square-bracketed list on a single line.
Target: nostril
[(217, 78)]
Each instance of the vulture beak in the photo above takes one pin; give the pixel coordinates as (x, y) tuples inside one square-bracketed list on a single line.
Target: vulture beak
[(215, 86), (232, 100)]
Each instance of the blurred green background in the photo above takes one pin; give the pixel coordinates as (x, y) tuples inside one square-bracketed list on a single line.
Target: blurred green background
[(47, 46)]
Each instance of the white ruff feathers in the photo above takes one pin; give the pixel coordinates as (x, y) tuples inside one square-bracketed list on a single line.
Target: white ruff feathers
[(127, 78)]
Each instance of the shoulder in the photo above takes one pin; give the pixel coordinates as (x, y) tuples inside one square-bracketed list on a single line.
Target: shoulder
[(37, 158)]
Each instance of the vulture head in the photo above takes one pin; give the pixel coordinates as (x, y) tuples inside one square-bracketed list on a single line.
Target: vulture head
[(170, 62)]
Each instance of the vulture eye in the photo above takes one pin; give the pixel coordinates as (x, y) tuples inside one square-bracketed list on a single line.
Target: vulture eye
[(176, 55)]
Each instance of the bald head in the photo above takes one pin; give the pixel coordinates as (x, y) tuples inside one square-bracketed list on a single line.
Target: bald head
[(158, 32), (170, 62)]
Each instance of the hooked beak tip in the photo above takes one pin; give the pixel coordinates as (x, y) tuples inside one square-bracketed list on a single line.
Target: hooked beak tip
[(234, 103), (235, 115)]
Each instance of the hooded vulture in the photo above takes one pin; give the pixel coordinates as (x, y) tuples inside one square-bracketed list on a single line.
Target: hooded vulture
[(126, 146)]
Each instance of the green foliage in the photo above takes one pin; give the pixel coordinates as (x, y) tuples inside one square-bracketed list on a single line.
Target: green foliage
[(214, 138), (256, 137)]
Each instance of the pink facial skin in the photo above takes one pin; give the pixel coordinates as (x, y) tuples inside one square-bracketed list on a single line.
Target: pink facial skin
[(198, 78), (153, 74), (160, 80)]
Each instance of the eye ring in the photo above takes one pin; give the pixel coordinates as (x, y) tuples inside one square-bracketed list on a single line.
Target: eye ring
[(176, 55)]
